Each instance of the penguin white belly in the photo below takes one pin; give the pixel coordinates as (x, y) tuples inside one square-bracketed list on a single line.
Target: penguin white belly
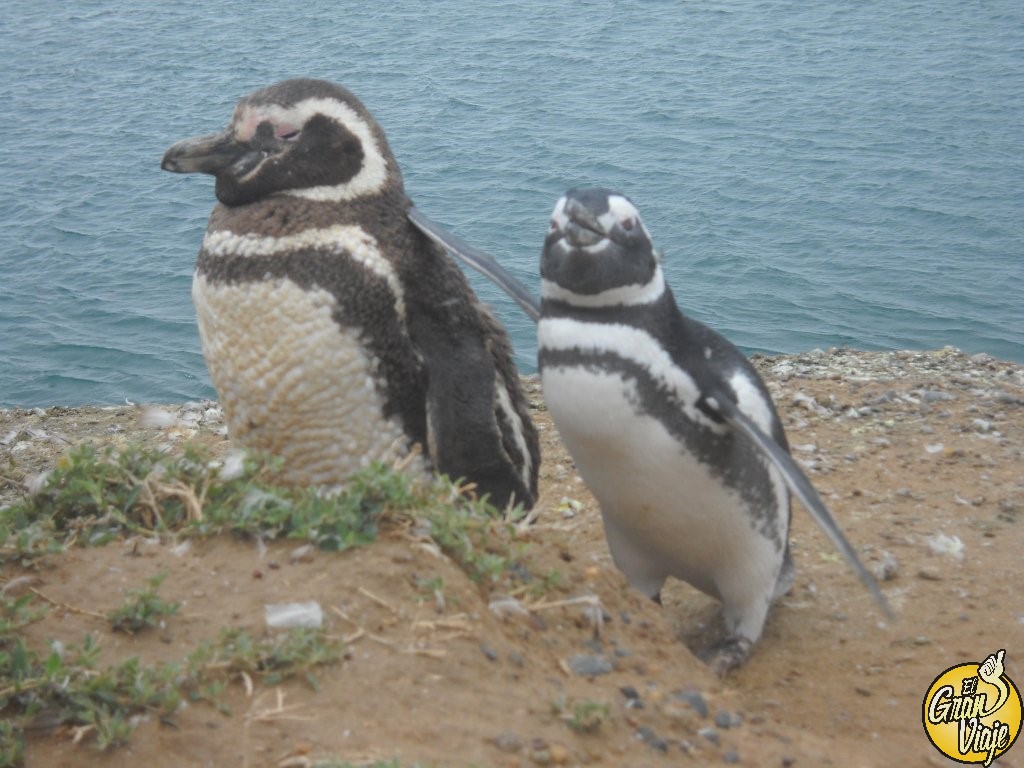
[(292, 381), (664, 511)]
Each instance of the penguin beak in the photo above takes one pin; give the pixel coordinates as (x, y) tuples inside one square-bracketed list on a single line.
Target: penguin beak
[(215, 154), (583, 228)]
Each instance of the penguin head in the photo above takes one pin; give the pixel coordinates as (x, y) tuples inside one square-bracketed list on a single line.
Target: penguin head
[(308, 138), (597, 243)]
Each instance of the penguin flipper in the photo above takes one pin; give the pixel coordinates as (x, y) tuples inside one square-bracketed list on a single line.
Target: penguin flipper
[(800, 486), (478, 260)]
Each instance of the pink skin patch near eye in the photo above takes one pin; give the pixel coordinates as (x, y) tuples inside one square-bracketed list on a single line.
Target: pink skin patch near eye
[(286, 131)]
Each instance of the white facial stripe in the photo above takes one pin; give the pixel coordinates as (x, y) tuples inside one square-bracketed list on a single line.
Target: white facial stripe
[(370, 178), (625, 295), (631, 344), (558, 214), (354, 241), (619, 209)]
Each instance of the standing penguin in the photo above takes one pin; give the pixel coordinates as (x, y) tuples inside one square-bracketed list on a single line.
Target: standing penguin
[(336, 332), (669, 424)]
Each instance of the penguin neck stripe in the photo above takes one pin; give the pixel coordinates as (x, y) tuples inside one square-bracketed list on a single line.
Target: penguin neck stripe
[(632, 344), (374, 173), (352, 240), (625, 295)]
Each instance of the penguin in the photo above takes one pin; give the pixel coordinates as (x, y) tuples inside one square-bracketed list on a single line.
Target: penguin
[(335, 331), (669, 425)]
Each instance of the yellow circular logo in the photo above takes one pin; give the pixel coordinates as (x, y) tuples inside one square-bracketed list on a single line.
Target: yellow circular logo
[(972, 712)]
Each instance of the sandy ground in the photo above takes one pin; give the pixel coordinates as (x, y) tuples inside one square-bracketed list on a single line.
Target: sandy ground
[(919, 455)]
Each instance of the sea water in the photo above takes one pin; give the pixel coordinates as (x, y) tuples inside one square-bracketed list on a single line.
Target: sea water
[(817, 174)]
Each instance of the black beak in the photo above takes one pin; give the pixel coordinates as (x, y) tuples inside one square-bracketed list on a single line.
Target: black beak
[(583, 228), (213, 154)]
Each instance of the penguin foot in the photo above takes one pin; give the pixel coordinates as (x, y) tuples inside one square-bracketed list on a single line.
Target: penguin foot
[(727, 655)]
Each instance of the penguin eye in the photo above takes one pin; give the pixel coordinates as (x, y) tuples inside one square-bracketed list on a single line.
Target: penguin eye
[(553, 226), (628, 223), (287, 132)]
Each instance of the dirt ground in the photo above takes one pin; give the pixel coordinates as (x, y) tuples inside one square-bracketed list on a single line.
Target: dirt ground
[(920, 456)]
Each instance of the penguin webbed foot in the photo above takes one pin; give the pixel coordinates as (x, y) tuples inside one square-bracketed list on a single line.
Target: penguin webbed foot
[(727, 654)]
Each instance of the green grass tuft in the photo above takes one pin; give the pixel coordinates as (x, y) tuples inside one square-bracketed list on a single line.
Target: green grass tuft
[(142, 608)]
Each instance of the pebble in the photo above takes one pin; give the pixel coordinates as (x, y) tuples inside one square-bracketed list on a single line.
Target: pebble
[(710, 734), (304, 554), (589, 665), (540, 752), (732, 757), (508, 741), (651, 739), (929, 574), (695, 700), (633, 700), (936, 396), (888, 568), (489, 652), (726, 720), (559, 754)]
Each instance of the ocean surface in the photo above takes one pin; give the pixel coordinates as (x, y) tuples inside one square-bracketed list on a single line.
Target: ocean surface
[(817, 173)]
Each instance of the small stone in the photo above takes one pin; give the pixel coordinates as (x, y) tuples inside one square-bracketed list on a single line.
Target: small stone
[(559, 754), (888, 568), (726, 720), (710, 734), (540, 752), (589, 665), (516, 659), (936, 396), (651, 739), (508, 741), (489, 653), (732, 757), (929, 573), (695, 700), (982, 425), (303, 554), (982, 358)]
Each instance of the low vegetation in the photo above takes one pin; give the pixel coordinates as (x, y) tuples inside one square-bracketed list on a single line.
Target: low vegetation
[(92, 498)]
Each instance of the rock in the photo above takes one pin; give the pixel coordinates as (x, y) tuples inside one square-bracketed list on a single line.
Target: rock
[(941, 544), (559, 754), (589, 665), (888, 568), (651, 739), (710, 734), (507, 741), (731, 757), (695, 700), (726, 720)]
